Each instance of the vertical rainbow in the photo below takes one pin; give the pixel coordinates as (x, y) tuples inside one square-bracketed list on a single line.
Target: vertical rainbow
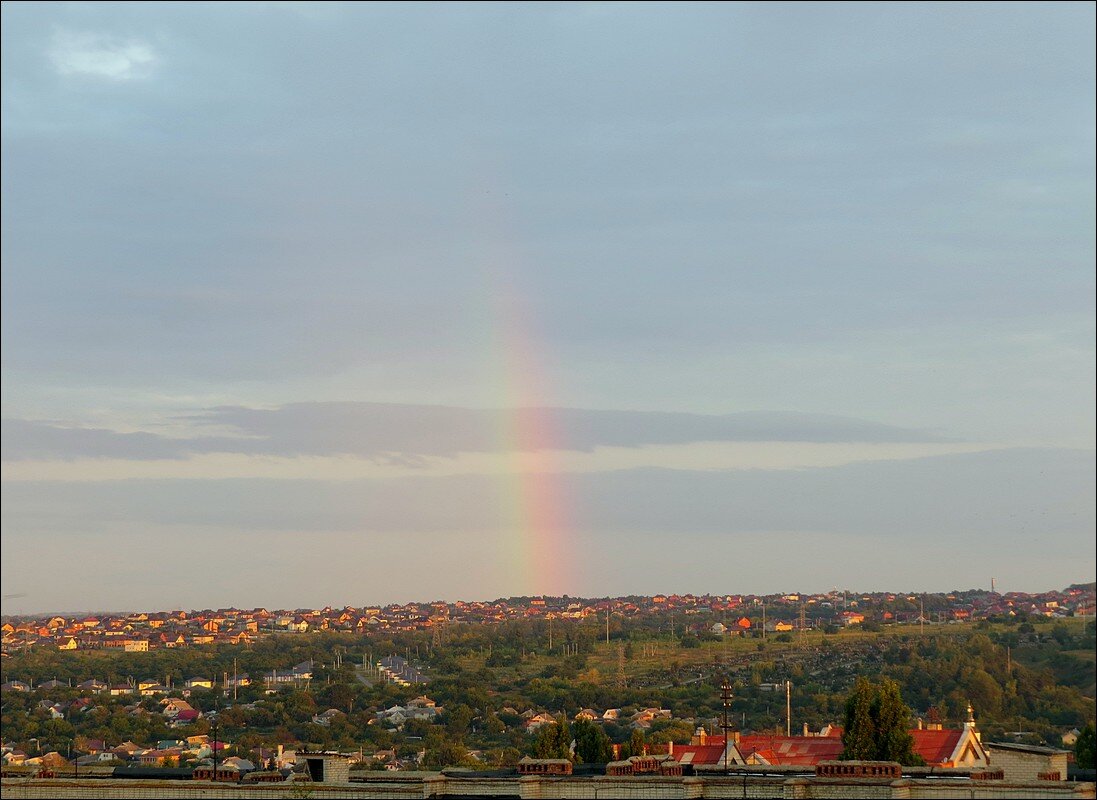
[(537, 548)]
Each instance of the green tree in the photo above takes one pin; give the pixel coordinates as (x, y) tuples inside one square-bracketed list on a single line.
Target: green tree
[(553, 740), (892, 718), (457, 720), (494, 726), (446, 754), (877, 725), (1084, 747), (592, 746), (859, 731), (636, 743), (507, 757)]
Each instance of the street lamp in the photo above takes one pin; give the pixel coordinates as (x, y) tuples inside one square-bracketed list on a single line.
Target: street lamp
[(725, 697)]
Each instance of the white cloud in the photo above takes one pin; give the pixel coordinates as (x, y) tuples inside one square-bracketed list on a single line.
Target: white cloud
[(101, 56)]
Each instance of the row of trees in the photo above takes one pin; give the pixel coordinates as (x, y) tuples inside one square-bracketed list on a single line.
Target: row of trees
[(583, 741)]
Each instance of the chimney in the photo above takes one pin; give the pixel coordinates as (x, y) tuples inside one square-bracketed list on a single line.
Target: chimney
[(806, 731), (670, 748)]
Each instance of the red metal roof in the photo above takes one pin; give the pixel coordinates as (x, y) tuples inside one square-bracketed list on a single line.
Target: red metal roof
[(699, 753), (791, 750), (936, 747)]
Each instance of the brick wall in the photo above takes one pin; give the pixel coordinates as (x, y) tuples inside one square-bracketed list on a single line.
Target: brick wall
[(1019, 766), (423, 786)]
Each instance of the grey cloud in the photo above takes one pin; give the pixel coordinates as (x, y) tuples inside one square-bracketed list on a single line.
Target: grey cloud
[(1025, 499), (930, 524), (402, 433), (374, 428), (29, 439), (1022, 498)]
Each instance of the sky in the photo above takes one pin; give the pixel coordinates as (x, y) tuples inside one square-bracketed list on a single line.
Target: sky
[(311, 304)]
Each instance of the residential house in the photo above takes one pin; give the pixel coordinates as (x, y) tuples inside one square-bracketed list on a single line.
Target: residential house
[(327, 717), (643, 719), (848, 618), (538, 721), (173, 707)]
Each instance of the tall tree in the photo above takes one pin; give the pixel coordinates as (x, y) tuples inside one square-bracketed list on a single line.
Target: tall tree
[(636, 743), (877, 725), (859, 730), (892, 717)]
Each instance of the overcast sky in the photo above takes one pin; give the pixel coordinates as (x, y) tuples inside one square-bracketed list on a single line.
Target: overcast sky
[(311, 304)]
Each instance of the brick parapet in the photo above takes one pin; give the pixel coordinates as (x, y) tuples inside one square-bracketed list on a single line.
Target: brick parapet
[(532, 787)]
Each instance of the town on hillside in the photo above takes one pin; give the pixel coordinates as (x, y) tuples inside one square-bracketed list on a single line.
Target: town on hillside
[(666, 685), (721, 614)]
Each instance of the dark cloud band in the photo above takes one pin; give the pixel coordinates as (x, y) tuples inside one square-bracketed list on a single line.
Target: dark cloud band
[(382, 430)]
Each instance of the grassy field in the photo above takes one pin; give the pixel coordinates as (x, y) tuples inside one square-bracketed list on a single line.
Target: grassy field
[(663, 657)]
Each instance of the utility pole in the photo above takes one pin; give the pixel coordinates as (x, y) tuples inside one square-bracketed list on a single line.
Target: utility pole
[(725, 699), (788, 708), (763, 620), (607, 625), (213, 745)]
